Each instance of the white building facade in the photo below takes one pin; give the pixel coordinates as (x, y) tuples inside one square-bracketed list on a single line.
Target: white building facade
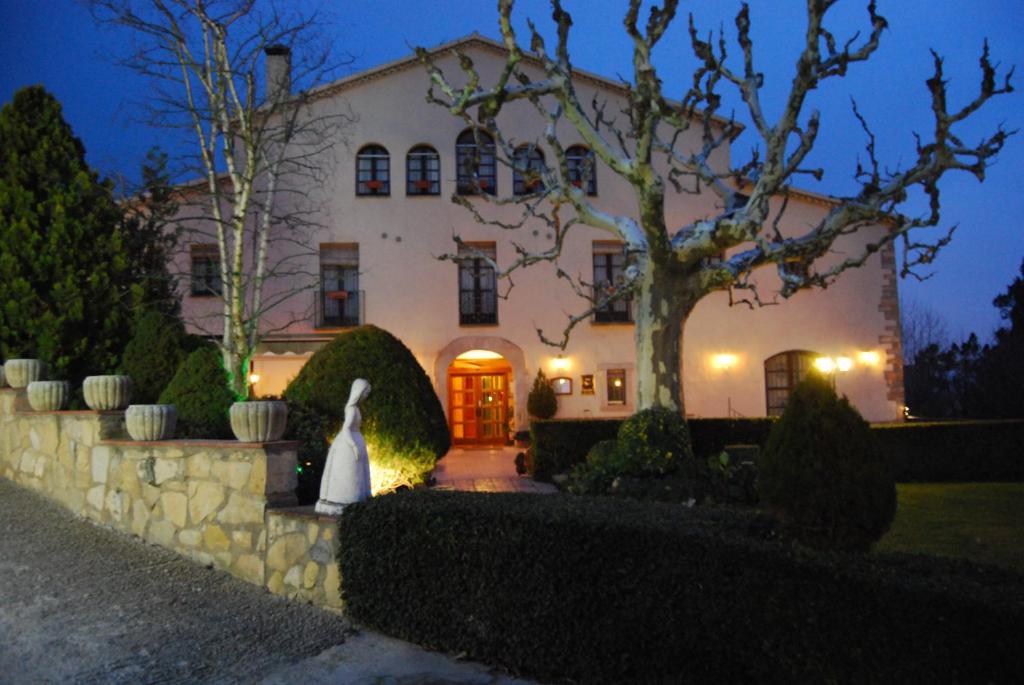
[(385, 214)]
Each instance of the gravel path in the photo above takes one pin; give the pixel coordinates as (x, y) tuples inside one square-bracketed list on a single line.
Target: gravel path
[(83, 604)]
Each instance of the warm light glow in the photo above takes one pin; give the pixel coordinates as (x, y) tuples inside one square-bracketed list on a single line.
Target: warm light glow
[(870, 358), (825, 364), (474, 355), (844, 364), (617, 382), (254, 378), (560, 363), (724, 361)]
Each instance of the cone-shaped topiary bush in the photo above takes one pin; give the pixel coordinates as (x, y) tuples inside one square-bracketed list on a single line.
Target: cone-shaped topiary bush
[(541, 402), (201, 394), (403, 423), (822, 474)]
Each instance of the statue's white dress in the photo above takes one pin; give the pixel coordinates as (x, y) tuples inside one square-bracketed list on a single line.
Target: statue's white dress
[(346, 476)]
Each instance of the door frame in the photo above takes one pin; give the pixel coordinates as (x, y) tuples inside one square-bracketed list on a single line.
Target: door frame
[(502, 437)]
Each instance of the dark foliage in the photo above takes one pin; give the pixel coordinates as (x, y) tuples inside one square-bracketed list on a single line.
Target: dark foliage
[(954, 451), (157, 348), (541, 402), (561, 444), (199, 390), (403, 423), (65, 276), (610, 591), (822, 472), (970, 380)]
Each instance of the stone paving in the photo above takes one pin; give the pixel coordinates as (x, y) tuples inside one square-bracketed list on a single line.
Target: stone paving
[(485, 470)]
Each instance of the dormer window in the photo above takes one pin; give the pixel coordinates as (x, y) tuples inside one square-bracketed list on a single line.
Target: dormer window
[(422, 171)]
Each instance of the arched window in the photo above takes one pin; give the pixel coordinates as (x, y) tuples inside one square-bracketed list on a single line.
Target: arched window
[(476, 164), (422, 171), (782, 373), (582, 168), (528, 170), (373, 171)]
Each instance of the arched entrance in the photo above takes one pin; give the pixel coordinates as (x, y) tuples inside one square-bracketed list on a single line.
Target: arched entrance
[(480, 401), (480, 382)]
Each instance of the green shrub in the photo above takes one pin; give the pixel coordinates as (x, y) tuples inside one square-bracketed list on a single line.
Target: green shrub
[(954, 451), (201, 394), (541, 402), (158, 346), (560, 444), (654, 442), (594, 590), (823, 474), (403, 423)]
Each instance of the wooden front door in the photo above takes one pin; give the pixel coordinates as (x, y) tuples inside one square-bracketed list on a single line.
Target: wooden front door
[(478, 408)]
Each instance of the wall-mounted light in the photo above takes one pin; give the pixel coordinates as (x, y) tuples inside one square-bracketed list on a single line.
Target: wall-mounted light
[(724, 361), (869, 358), (844, 364), (560, 363), (825, 364), (254, 378)]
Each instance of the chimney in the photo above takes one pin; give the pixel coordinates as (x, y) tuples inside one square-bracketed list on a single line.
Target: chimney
[(279, 72)]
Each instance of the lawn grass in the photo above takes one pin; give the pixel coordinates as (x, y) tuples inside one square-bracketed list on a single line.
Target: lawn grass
[(982, 522)]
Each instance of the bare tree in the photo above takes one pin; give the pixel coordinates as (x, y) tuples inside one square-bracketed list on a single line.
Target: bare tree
[(921, 326), (259, 149), (673, 267)]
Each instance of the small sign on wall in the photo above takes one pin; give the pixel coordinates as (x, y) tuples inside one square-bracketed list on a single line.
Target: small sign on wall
[(587, 384), (562, 386)]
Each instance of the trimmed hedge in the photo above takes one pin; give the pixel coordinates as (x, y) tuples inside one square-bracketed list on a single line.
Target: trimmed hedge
[(609, 591), (560, 444), (403, 423), (199, 390), (953, 452)]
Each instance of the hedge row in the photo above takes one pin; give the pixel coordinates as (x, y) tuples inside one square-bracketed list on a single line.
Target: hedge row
[(954, 452), (599, 590), (961, 451)]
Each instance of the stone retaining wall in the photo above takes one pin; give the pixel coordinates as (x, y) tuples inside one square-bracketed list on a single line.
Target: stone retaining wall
[(211, 501)]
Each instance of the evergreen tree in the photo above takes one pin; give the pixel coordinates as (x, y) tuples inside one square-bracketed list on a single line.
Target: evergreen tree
[(64, 272)]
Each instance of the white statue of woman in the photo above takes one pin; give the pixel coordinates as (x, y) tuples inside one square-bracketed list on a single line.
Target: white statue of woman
[(346, 476)]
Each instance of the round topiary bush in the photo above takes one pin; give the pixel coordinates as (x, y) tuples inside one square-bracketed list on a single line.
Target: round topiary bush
[(654, 442), (403, 422), (158, 346), (822, 473), (200, 392), (541, 403)]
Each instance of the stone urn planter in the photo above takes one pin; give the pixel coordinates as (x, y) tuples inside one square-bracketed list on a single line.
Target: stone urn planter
[(21, 372), (260, 421), (48, 395), (103, 393), (148, 422)]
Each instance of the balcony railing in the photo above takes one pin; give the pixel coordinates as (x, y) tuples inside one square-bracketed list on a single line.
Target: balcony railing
[(340, 308), (619, 311)]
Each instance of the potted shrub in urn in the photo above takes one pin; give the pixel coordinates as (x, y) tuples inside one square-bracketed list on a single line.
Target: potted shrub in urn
[(48, 395), (259, 420), (103, 393), (21, 372), (148, 422)]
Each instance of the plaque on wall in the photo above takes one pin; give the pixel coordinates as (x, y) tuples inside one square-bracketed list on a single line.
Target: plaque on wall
[(587, 384)]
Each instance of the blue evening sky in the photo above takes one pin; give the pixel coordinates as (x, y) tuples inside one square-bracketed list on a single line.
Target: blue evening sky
[(54, 42)]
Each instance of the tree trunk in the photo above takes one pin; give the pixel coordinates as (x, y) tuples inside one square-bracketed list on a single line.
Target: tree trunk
[(662, 305)]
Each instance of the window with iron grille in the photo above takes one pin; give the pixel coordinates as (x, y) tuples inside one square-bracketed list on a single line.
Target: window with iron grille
[(339, 304), (582, 169), (528, 170), (476, 164), (609, 274), (478, 293), (373, 171), (205, 279), (423, 171), (782, 373), (616, 388)]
